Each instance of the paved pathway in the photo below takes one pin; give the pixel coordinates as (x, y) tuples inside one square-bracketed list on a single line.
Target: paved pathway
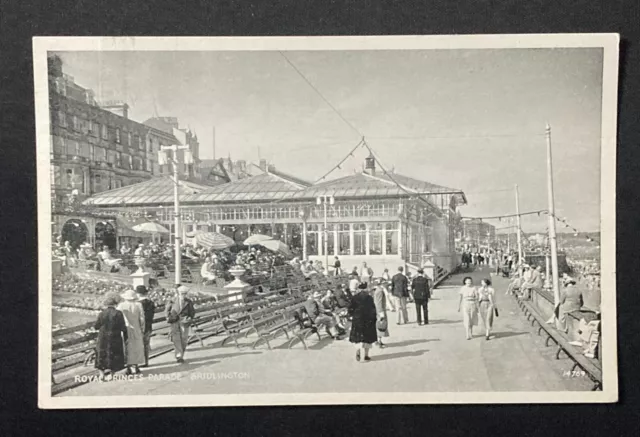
[(431, 358)]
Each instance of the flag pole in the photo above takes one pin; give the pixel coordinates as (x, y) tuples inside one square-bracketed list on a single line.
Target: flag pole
[(518, 229), (553, 241)]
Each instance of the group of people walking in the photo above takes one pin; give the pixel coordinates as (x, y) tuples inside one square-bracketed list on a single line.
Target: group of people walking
[(125, 324), (366, 302), (477, 301), (125, 327)]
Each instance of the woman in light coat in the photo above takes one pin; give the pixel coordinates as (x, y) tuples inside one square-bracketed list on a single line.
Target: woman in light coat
[(380, 300), (134, 319)]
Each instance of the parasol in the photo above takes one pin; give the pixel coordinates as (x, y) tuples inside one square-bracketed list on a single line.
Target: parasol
[(276, 246), (150, 228), (213, 240), (257, 239)]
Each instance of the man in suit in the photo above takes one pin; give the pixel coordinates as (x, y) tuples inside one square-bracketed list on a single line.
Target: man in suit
[(149, 309), (180, 311), (342, 296), (400, 292), (323, 317), (421, 295)]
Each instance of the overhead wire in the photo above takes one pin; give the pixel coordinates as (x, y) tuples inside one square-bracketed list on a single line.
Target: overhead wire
[(320, 94), (541, 211), (388, 174), (338, 165)]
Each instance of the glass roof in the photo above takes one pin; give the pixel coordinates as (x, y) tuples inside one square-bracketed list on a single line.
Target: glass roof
[(156, 190), (265, 187)]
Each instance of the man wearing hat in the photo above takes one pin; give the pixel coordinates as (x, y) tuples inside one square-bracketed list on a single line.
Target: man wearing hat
[(421, 295), (149, 309), (180, 311), (319, 316), (343, 297), (400, 291)]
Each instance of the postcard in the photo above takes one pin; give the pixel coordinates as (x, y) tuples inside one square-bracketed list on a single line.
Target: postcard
[(326, 220)]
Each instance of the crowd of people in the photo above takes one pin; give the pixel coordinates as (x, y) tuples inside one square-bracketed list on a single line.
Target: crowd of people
[(502, 261), (125, 326), (359, 309), (214, 263), (366, 301)]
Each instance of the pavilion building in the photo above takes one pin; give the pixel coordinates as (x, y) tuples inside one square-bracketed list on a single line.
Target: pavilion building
[(384, 220)]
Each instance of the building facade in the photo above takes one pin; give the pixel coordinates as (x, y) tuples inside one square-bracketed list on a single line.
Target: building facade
[(94, 148), (167, 132), (385, 222)]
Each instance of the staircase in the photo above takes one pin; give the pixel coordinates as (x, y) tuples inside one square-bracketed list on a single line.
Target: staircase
[(439, 273)]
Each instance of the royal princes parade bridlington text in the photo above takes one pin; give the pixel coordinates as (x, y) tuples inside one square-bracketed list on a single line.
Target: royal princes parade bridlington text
[(326, 220)]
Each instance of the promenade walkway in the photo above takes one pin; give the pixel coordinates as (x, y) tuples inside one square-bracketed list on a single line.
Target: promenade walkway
[(431, 358)]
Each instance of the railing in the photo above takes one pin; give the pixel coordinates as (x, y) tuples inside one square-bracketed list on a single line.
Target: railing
[(416, 258), (103, 164), (72, 158), (68, 354)]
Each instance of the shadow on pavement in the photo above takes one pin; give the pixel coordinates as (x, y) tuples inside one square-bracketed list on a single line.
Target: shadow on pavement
[(498, 335), (324, 342), (444, 322), (398, 355), (410, 342)]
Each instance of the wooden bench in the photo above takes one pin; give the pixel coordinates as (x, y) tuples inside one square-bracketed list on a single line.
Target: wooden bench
[(170, 272), (268, 327), (208, 321), (590, 366), (251, 318), (303, 327)]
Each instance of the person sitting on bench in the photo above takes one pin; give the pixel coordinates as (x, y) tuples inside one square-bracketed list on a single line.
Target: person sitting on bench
[(342, 297), (320, 316), (515, 284), (111, 263), (207, 271), (533, 283)]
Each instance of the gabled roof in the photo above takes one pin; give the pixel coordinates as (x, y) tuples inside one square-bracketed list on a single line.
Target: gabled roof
[(265, 187), (356, 185), (157, 190), (423, 187), (268, 187), (363, 185)]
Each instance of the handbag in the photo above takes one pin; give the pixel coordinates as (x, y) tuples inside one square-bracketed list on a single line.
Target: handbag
[(495, 310), (173, 317), (381, 325)]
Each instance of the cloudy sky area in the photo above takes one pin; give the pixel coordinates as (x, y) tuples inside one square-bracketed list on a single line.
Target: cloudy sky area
[(467, 119)]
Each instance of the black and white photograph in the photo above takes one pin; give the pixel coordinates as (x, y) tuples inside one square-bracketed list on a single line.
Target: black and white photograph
[(326, 220)]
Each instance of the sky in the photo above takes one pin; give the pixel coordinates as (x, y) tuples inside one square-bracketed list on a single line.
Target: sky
[(467, 119)]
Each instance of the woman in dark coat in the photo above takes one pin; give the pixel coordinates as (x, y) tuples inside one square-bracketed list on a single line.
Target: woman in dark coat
[(363, 326), (112, 333)]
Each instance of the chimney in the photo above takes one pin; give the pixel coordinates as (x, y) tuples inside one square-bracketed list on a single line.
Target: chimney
[(55, 66), (242, 165), (117, 107), (263, 165), (370, 164)]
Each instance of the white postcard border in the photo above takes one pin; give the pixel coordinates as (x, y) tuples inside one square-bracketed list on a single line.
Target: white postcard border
[(609, 43)]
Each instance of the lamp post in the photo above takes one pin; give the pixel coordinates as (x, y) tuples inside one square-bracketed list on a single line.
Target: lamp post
[(324, 200), (163, 158)]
